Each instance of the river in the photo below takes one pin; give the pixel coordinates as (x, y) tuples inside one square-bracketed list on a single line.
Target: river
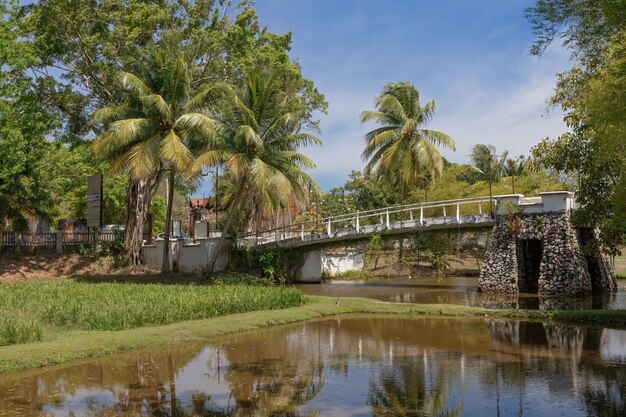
[(346, 366)]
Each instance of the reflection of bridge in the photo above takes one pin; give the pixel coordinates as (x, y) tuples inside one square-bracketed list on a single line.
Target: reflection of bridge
[(435, 215)]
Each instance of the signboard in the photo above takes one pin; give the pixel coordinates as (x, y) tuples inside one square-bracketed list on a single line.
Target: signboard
[(176, 229), (94, 201)]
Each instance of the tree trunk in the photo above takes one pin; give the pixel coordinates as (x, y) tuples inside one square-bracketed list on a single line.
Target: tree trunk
[(401, 246), (229, 220), (138, 199), (165, 266)]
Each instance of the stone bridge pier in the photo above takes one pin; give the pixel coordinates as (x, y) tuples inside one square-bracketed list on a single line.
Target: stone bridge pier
[(535, 248)]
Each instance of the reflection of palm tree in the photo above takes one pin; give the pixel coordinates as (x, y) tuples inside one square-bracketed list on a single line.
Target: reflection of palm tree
[(403, 391)]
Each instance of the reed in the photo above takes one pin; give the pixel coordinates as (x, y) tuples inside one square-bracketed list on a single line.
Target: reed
[(114, 306)]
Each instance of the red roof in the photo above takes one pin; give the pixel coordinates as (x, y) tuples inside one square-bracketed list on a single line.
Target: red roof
[(199, 202)]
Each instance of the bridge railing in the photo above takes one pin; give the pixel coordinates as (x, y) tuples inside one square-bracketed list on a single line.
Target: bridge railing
[(388, 218)]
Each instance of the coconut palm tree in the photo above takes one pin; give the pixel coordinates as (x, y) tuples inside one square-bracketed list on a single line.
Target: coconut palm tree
[(485, 161), (401, 148), (157, 127), (258, 146)]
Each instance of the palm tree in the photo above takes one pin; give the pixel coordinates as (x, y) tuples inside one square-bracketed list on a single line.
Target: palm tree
[(258, 146), (401, 148), (486, 161), (157, 127)]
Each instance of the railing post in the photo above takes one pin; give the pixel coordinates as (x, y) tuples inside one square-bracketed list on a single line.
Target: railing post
[(411, 214), (358, 226), (444, 212), (458, 212), (381, 219), (422, 215), (480, 208), (329, 228), (302, 233), (59, 241), (387, 219)]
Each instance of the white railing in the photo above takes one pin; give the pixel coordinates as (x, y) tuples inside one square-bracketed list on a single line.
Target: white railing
[(447, 212)]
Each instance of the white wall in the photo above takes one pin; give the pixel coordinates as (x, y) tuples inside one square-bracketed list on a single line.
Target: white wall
[(312, 268), (336, 263), (187, 255)]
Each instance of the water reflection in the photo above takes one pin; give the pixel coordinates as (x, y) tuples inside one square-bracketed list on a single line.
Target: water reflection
[(459, 290), (379, 366)]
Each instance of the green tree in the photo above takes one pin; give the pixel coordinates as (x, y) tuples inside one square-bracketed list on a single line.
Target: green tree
[(24, 124), (591, 95), (401, 148), (490, 165), (81, 47), (155, 130), (258, 144)]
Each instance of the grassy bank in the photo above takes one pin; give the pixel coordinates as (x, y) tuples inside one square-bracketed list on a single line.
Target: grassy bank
[(29, 310), (68, 345)]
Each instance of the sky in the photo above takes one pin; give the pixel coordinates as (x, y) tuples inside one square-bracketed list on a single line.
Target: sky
[(470, 56)]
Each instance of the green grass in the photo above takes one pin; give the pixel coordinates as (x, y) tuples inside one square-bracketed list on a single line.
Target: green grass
[(352, 275), (15, 329), (114, 306)]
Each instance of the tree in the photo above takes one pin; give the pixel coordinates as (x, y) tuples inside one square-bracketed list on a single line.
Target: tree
[(592, 95), (82, 46), (24, 124), (486, 161), (156, 128), (401, 148), (258, 144)]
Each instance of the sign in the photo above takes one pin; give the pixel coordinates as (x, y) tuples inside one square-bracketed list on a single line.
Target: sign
[(94, 201), (176, 226)]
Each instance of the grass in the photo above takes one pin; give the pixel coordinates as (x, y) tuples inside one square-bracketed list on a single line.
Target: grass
[(15, 329), (113, 306), (69, 345), (352, 275)]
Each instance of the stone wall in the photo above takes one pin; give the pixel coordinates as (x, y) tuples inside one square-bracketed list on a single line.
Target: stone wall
[(563, 268)]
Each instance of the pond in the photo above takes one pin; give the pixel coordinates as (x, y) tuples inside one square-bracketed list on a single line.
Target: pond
[(347, 366), (458, 290)]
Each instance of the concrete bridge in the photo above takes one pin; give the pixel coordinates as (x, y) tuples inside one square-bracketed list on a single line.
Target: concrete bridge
[(393, 220), (534, 246)]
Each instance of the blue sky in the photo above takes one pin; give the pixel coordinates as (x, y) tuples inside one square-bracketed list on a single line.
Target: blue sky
[(471, 56)]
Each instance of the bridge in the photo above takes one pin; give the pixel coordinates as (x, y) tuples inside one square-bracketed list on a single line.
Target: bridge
[(393, 220)]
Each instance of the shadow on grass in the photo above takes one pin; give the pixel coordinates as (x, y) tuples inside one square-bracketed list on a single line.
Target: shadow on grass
[(165, 279)]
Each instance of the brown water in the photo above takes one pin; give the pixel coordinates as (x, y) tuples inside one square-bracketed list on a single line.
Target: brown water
[(458, 290), (350, 366)]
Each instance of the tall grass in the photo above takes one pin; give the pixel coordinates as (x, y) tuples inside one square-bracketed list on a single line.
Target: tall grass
[(15, 329), (112, 306)]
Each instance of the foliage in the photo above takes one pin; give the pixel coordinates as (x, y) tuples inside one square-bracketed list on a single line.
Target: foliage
[(434, 247), (24, 124), (401, 148), (374, 250), (123, 306), (351, 275), (592, 95), (259, 145)]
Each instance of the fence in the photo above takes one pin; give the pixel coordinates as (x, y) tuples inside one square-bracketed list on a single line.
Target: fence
[(48, 240)]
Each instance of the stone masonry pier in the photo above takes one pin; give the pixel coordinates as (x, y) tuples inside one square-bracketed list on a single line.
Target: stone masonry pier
[(535, 248)]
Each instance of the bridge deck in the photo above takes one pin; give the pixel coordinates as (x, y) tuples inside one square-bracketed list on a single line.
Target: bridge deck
[(361, 225)]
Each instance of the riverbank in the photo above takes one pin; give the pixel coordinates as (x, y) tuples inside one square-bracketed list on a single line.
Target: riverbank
[(70, 345)]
